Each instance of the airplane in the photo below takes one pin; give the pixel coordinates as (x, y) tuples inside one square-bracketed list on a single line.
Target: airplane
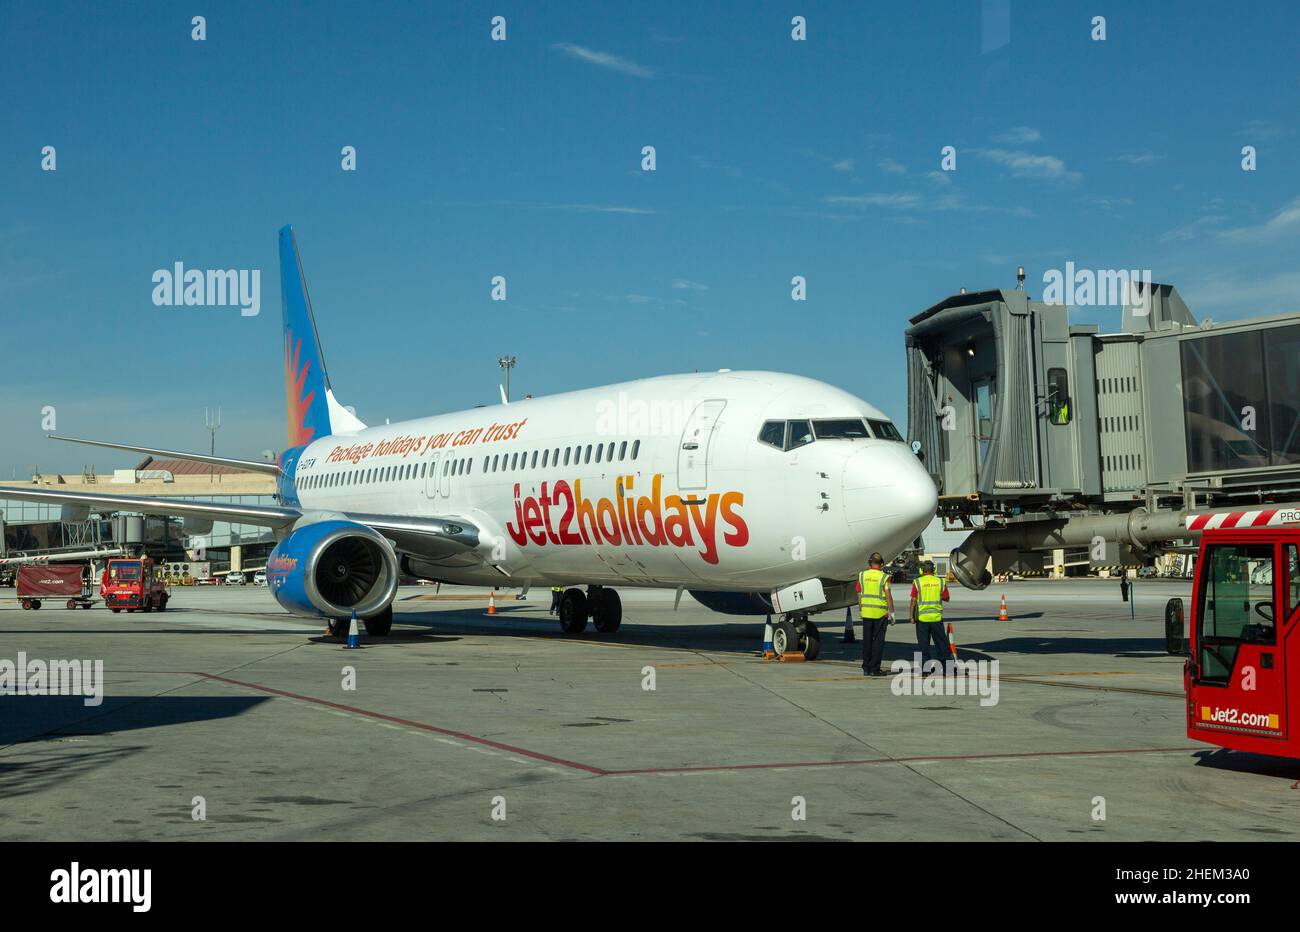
[(757, 492)]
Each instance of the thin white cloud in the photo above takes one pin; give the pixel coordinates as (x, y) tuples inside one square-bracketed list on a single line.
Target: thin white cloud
[(901, 201), (1191, 229), (578, 208), (889, 165), (1018, 136), (1265, 294), (1286, 220), (1030, 165), (843, 165), (685, 284), (1140, 158), (604, 60)]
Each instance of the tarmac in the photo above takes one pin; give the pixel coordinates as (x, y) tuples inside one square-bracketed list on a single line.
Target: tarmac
[(468, 726)]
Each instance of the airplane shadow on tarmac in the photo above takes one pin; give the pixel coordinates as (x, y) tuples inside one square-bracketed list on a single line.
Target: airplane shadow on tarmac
[(1135, 648), (51, 718)]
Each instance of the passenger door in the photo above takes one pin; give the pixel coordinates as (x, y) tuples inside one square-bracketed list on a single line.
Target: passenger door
[(433, 479), (693, 456)]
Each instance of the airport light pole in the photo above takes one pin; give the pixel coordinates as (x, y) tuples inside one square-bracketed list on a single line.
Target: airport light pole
[(212, 421), (506, 363)]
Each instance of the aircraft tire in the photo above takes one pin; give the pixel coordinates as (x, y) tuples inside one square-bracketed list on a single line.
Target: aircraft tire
[(381, 624), (812, 641), (607, 611), (784, 637), (573, 611)]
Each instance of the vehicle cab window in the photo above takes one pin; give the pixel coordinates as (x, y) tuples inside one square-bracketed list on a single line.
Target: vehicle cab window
[(1236, 606)]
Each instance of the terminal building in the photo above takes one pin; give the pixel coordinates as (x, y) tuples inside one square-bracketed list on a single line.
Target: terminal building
[(32, 528), (1054, 442)]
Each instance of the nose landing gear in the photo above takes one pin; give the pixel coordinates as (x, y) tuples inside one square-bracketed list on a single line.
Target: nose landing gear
[(795, 633)]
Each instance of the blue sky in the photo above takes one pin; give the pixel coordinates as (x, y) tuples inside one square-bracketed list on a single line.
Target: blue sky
[(522, 158)]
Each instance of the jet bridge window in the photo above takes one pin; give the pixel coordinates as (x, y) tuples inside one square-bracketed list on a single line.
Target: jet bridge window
[(1058, 396), (841, 429)]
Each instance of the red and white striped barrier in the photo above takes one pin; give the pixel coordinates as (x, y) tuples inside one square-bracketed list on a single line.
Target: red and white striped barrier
[(1265, 517)]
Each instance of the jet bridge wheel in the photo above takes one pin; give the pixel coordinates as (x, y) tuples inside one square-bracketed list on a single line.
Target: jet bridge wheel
[(606, 610), (381, 624), (573, 611)]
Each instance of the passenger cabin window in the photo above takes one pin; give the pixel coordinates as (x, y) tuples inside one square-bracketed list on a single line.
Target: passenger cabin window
[(600, 448), (885, 430), (841, 429), (636, 448), (1236, 606), (587, 457)]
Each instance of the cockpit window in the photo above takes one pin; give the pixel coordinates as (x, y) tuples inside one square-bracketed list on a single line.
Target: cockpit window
[(800, 434), (884, 430), (841, 429), (773, 434)]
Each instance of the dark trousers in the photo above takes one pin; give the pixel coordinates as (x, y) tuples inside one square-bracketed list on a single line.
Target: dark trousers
[(873, 643), (555, 601), (933, 631)]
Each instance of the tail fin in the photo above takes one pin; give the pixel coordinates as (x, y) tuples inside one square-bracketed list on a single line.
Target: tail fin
[(309, 403)]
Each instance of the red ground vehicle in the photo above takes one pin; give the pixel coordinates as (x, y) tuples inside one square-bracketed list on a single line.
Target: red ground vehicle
[(133, 583), (37, 582), (1245, 608)]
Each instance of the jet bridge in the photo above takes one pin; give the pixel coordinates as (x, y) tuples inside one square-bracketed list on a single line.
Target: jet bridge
[(1042, 434)]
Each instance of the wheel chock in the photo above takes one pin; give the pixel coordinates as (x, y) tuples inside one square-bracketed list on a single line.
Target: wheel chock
[(793, 656), (769, 654)]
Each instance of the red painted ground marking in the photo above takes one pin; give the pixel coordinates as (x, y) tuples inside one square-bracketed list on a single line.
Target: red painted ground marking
[(573, 765), (891, 760), (600, 772)]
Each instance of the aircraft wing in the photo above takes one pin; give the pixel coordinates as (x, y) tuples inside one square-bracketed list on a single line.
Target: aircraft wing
[(272, 516), (430, 537), (269, 469)]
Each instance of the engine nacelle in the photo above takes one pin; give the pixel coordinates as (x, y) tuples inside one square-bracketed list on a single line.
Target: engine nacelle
[(331, 569)]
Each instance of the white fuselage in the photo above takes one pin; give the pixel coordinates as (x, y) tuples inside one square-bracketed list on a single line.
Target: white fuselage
[(690, 497)]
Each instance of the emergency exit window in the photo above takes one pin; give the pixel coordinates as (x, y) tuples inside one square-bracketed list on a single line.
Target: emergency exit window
[(1058, 396)]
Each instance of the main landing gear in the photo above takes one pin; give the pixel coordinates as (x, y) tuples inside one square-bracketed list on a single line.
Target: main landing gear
[(602, 605), (795, 632), (376, 627)]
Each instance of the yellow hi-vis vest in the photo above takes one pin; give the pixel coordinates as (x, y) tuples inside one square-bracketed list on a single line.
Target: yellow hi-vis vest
[(871, 600), (929, 598)]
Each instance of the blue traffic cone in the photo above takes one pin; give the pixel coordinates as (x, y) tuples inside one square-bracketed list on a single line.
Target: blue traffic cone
[(354, 636)]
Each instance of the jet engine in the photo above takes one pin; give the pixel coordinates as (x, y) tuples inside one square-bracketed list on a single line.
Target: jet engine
[(332, 569)]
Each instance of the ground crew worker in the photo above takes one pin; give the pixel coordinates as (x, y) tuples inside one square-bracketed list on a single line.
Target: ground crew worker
[(929, 592), (556, 592), (877, 606)]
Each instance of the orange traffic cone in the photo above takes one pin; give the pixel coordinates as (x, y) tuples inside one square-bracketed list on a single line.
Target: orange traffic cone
[(1002, 614), (492, 603), (952, 642)]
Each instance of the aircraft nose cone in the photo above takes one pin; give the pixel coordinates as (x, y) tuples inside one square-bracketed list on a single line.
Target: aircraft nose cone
[(889, 498)]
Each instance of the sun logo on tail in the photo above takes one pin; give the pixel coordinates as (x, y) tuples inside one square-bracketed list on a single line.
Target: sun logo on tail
[(297, 406)]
